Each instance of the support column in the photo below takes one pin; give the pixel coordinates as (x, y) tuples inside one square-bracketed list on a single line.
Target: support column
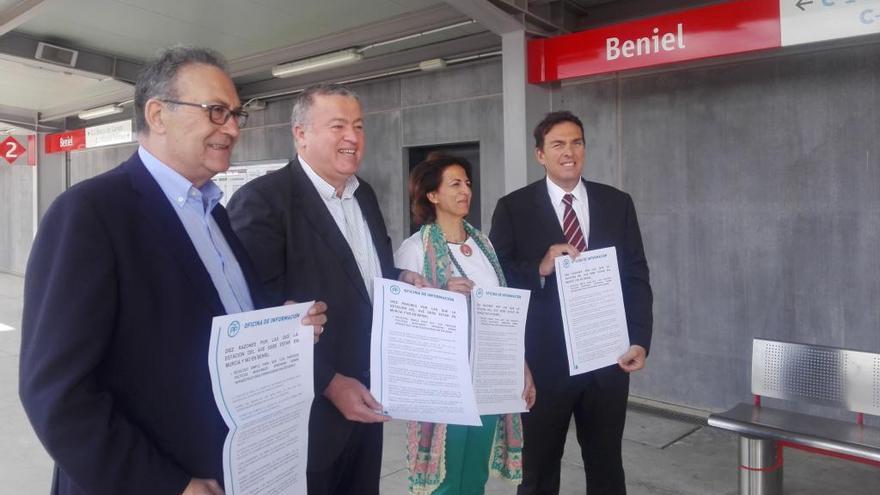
[(51, 180), (524, 106)]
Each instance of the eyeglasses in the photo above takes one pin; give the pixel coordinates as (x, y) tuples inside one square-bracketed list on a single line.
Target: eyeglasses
[(218, 114)]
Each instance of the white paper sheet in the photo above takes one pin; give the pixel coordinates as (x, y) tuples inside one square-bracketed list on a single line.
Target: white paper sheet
[(498, 319), (593, 314), (261, 365), (419, 356)]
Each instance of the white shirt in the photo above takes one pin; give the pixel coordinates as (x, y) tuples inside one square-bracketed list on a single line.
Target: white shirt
[(349, 218), (411, 256), (579, 204)]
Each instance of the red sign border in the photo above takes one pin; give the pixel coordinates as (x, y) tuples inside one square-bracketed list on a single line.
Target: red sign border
[(716, 30)]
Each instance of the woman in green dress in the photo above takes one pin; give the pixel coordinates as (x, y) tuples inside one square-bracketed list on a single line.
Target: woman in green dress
[(453, 255)]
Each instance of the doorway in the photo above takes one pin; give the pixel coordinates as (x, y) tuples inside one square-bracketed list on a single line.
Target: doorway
[(470, 151)]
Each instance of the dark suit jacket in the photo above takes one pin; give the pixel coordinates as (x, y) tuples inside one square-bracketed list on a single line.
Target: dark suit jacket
[(524, 226), (117, 319), (300, 254)]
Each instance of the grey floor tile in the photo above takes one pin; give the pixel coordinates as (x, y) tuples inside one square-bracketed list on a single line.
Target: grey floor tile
[(394, 447), (655, 431), (25, 468)]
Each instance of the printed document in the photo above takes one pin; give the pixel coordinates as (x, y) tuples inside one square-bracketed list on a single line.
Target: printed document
[(593, 315), (498, 319), (419, 357), (262, 375)]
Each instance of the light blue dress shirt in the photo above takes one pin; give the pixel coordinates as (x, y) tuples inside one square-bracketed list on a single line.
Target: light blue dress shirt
[(193, 206)]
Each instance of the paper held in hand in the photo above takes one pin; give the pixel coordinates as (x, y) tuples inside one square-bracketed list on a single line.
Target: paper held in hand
[(593, 315), (420, 369), (498, 329), (261, 365), (419, 354)]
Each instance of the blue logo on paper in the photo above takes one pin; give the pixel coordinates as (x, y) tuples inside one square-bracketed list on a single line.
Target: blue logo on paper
[(234, 327), (395, 290), (479, 292), (566, 263)]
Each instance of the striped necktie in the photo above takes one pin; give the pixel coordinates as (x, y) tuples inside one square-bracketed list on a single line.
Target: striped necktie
[(571, 227)]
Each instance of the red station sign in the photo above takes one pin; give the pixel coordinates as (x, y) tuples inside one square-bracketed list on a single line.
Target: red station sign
[(11, 149), (66, 141), (723, 29)]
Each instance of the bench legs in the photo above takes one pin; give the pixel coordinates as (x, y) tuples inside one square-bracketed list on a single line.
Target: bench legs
[(760, 467)]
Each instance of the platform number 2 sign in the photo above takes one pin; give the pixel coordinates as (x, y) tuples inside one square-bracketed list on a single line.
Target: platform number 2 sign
[(10, 149)]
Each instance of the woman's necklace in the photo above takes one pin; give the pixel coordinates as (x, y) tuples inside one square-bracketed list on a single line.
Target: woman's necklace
[(463, 247), (457, 265)]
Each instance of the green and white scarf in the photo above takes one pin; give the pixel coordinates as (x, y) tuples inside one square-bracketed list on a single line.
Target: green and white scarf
[(426, 442)]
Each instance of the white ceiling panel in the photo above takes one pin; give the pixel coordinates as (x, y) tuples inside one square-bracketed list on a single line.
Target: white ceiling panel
[(137, 29), (253, 34), (28, 87)]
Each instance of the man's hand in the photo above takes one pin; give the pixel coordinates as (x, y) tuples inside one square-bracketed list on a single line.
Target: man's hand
[(461, 285), (414, 278), (316, 317), (530, 393), (198, 486), (633, 359), (353, 400), (548, 266)]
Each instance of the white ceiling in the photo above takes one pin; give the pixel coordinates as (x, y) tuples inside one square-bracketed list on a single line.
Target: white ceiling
[(137, 29), (30, 87), (134, 30)]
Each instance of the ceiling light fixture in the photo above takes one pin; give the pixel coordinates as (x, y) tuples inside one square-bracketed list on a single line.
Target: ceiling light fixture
[(326, 61), (94, 113), (432, 64)]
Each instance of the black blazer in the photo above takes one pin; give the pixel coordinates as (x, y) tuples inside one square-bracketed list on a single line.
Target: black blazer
[(117, 319), (300, 254), (524, 226)]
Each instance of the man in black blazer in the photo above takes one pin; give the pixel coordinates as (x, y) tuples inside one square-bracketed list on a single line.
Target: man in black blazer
[(125, 274), (527, 231), (314, 230)]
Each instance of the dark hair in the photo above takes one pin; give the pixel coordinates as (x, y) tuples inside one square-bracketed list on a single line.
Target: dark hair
[(158, 79), (552, 119), (304, 101), (426, 177)]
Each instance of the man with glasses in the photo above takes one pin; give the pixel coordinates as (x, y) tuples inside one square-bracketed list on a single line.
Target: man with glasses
[(125, 274)]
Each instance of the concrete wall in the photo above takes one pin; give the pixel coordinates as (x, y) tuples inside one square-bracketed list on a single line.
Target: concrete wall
[(16, 213), (456, 105), (89, 163), (758, 191)]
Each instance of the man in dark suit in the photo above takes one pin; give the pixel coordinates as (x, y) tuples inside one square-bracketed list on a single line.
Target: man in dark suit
[(564, 214), (125, 274), (314, 230)]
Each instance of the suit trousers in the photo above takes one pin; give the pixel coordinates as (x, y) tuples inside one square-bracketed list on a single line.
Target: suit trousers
[(599, 415), (357, 470)]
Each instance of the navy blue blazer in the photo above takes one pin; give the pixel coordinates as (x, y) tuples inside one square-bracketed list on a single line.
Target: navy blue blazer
[(524, 226), (114, 355), (300, 254)]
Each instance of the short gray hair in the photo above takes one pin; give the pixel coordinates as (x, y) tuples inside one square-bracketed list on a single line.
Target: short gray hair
[(158, 79), (304, 101)]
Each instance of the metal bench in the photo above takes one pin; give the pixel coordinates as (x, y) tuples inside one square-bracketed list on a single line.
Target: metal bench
[(828, 376)]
